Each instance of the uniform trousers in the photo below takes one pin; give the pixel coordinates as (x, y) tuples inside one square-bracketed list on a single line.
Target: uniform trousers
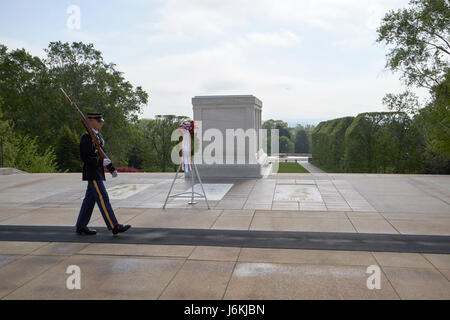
[(96, 193)]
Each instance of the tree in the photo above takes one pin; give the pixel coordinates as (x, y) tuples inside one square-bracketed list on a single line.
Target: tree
[(23, 88), (419, 43), (142, 155), (286, 145), (301, 141), (328, 148), (436, 119), (309, 128), (418, 38), (382, 142), (5, 125), (404, 102), (283, 127), (283, 131), (67, 150), (5, 128), (22, 152), (158, 133), (32, 100)]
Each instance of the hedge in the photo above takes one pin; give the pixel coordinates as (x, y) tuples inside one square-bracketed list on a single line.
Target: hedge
[(328, 143), (371, 142)]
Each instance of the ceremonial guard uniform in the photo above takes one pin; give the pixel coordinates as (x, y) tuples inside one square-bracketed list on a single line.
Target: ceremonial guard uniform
[(93, 173)]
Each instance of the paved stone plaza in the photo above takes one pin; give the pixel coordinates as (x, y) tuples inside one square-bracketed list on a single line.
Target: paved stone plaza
[(315, 202)]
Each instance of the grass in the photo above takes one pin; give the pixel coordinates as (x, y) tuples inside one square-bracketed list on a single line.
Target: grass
[(291, 167)]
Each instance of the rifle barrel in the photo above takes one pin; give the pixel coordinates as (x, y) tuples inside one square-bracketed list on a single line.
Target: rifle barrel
[(101, 152)]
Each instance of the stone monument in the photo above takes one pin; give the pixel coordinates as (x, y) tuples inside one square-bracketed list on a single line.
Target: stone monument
[(229, 127)]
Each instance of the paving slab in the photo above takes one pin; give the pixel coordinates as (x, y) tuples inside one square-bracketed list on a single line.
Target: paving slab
[(300, 214), (328, 257), (364, 215), (257, 205), (10, 212), (177, 219), (5, 259), (200, 280), (285, 205), (364, 225), (293, 192), (102, 277), (20, 247), (399, 259), (214, 191), (408, 203), (43, 218), (415, 216), (123, 216), (302, 281), (233, 222), (231, 204), (436, 227), (59, 249), (235, 213), (124, 191), (440, 261), (137, 250), (301, 224), (446, 273), (17, 273), (418, 283), (215, 253), (308, 206), (436, 186)]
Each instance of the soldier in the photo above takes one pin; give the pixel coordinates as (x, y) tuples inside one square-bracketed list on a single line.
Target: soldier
[(93, 173)]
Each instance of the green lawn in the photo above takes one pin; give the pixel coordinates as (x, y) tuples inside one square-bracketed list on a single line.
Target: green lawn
[(291, 167)]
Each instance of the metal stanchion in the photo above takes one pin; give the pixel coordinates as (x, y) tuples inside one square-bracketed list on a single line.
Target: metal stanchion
[(188, 194)]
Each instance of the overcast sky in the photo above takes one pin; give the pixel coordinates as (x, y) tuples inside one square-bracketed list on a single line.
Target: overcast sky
[(307, 60)]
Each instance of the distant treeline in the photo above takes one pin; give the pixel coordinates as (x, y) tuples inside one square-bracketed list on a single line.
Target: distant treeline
[(291, 140), (376, 142)]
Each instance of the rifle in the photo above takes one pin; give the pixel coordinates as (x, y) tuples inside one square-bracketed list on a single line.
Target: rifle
[(102, 154)]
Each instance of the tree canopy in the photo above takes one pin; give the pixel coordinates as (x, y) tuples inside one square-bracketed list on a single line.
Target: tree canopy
[(418, 41), (32, 101)]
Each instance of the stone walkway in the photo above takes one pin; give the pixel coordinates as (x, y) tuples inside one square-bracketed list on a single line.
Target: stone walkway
[(310, 167), (37, 270), (315, 202)]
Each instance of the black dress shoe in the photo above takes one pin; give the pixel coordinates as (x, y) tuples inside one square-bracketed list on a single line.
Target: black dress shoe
[(86, 230), (120, 228)]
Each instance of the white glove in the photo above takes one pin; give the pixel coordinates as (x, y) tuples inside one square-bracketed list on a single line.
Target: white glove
[(106, 161), (114, 174)]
